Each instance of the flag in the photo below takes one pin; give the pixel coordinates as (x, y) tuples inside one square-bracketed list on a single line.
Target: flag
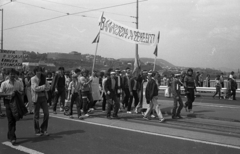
[(137, 66), (96, 40), (156, 51)]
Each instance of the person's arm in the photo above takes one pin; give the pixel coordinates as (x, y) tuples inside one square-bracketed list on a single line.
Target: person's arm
[(35, 87)]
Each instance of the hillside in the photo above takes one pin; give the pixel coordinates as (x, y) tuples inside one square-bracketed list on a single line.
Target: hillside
[(159, 62)]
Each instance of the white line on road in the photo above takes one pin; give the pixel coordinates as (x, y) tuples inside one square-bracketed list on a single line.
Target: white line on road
[(22, 148), (151, 133)]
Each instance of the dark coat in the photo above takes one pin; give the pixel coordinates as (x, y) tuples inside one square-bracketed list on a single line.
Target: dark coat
[(55, 82), (132, 84), (108, 87), (151, 90), (17, 106)]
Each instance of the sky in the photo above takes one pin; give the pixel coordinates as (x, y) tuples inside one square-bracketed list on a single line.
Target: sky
[(194, 33)]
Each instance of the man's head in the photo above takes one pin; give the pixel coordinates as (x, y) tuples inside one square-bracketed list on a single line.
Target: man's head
[(117, 70), (112, 74), (12, 74), (190, 72), (61, 70), (77, 71), (85, 72), (38, 71), (74, 77)]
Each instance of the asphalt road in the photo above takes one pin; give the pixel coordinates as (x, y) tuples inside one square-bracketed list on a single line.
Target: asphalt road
[(75, 137)]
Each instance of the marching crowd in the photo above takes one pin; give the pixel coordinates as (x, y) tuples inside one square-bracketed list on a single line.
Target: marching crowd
[(117, 89)]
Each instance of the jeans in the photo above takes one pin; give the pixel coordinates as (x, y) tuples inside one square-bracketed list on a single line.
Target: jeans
[(11, 121), (190, 98), (176, 100), (58, 94), (113, 102), (41, 103), (136, 100), (75, 98), (154, 105), (86, 101)]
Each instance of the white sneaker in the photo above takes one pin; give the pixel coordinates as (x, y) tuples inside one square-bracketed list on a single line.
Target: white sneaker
[(129, 112), (71, 116), (61, 109), (153, 116), (86, 115), (161, 120)]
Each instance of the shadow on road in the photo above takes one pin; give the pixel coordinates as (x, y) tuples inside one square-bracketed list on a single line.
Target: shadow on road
[(47, 138)]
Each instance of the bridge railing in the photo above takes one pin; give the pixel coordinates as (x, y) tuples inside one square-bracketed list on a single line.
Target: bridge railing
[(202, 89)]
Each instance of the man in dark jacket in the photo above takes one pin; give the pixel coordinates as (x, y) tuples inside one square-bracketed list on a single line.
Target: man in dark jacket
[(125, 87), (58, 88), (111, 96), (151, 97)]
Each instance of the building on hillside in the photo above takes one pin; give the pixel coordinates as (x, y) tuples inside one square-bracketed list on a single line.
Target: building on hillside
[(73, 55)]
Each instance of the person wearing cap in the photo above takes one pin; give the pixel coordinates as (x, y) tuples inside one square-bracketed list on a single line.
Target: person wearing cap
[(176, 91), (190, 89), (151, 92), (73, 94), (111, 96)]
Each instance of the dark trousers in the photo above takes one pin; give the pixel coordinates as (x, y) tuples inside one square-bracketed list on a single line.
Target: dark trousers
[(86, 101), (127, 96), (41, 103), (233, 93), (58, 94), (218, 91), (11, 121), (49, 100), (112, 102), (136, 100), (222, 83), (75, 98), (104, 102), (190, 98), (177, 110)]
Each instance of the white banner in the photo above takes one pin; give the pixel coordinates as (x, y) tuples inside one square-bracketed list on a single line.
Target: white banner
[(11, 59), (132, 35)]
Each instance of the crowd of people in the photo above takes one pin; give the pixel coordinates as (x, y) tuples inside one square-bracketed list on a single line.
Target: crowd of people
[(115, 89)]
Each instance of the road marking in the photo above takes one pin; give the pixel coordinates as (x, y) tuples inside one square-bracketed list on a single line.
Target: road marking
[(151, 133), (22, 148)]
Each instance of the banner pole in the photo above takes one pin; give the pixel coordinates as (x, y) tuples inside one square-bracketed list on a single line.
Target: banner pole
[(94, 59), (154, 66)]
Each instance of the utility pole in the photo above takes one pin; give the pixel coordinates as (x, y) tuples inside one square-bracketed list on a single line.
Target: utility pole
[(137, 25), (2, 32)]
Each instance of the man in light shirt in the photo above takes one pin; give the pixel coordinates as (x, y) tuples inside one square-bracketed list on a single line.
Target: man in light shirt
[(8, 89)]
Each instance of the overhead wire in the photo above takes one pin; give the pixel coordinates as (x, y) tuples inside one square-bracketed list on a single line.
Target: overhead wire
[(107, 7), (61, 12), (83, 7), (5, 4)]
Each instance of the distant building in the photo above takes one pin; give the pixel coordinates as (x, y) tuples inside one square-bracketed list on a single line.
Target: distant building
[(29, 66), (73, 55)]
